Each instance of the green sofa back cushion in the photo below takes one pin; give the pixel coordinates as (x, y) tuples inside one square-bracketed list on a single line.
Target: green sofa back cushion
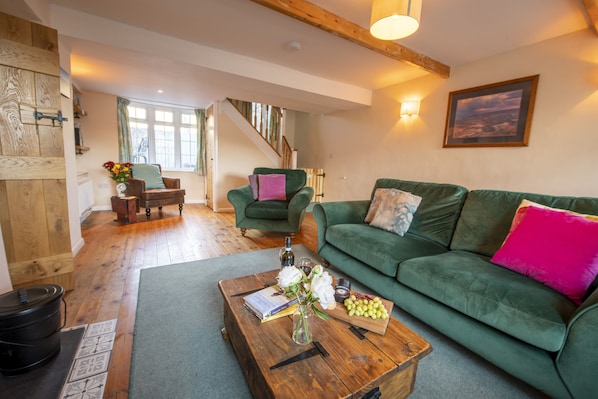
[(150, 174), (487, 215), (438, 212), (295, 180)]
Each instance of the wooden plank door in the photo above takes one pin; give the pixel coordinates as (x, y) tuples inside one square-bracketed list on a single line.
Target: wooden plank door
[(33, 202)]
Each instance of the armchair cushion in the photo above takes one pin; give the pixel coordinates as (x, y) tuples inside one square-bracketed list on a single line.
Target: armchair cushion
[(150, 174), (295, 178), (271, 187), (273, 210), (166, 196)]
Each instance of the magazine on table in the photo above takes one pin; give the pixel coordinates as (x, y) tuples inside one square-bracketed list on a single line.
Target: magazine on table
[(268, 301), (285, 312)]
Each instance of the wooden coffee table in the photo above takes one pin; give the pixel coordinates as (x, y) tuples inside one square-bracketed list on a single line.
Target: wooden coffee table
[(355, 368)]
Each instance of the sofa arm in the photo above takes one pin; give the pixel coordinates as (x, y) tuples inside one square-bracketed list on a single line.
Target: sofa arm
[(135, 187), (577, 361), (171, 182), (298, 204), (341, 212)]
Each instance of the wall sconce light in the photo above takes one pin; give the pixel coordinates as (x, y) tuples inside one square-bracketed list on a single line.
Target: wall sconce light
[(409, 108), (395, 19)]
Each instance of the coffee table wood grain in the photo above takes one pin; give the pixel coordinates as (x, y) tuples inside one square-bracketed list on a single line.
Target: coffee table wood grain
[(355, 368)]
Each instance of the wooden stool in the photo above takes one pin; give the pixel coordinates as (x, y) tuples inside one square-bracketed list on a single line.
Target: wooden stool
[(125, 208)]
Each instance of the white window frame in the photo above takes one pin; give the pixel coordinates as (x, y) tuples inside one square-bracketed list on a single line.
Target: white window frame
[(150, 110)]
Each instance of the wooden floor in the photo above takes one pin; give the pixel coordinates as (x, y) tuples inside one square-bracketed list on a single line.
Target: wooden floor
[(107, 267)]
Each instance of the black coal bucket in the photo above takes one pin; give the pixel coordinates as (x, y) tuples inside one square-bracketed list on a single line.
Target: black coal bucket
[(30, 324)]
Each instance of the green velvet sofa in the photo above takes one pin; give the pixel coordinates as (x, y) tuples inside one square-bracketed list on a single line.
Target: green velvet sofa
[(440, 272), (273, 215)]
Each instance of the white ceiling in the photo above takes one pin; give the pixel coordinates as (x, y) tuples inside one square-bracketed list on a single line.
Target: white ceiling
[(200, 51)]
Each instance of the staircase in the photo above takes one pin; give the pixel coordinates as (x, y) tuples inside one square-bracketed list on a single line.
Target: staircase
[(267, 121)]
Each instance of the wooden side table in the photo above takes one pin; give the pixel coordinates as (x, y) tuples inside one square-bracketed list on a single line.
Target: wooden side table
[(125, 208)]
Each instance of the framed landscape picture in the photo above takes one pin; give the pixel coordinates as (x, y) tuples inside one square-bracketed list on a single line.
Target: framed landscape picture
[(497, 114)]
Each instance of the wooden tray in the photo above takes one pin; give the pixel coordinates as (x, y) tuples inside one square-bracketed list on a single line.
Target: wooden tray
[(378, 326)]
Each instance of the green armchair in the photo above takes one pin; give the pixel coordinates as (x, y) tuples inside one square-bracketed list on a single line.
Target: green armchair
[(272, 215)]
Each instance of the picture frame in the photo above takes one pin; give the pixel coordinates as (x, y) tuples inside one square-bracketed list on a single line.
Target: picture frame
[(493, 115)]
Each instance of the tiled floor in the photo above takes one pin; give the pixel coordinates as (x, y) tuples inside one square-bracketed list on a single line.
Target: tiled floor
[(87, 377)]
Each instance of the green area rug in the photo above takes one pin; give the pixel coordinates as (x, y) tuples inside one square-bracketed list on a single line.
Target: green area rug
[(178, 351)]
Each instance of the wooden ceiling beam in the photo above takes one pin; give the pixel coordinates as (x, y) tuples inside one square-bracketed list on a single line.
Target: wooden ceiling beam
[(591, 7), (320, 18)]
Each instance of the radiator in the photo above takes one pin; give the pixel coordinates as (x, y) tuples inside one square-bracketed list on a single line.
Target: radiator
[(85, 190), (315, 179)]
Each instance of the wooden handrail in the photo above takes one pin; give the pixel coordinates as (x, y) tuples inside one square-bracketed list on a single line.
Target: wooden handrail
[(287, 154)]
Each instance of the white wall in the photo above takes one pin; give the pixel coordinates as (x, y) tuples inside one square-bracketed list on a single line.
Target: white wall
[(77, 241), (356, 147), (100, 133), (68, 128)]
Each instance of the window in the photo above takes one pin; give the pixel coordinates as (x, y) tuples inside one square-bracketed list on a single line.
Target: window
[(163, 135)]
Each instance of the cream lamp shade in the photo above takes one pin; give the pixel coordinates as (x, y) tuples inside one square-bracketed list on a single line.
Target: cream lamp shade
[(395, 19), (409, 108)]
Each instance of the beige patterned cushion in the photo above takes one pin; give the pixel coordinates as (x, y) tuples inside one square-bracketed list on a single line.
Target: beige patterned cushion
[(392, 210)]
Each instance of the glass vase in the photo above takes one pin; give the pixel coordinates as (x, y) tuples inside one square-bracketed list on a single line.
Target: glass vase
[(301, 327), (121, 189)]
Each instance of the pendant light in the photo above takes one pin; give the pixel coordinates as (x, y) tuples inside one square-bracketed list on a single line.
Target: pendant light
[(395, 19)]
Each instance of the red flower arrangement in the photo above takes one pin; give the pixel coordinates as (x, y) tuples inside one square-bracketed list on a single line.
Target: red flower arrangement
[(120, 171)]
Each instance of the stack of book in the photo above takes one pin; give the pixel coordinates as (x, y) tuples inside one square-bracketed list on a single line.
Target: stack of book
[(270, 303)]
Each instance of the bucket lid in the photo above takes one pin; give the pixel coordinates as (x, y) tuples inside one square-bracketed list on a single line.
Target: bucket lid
[(25, 300)]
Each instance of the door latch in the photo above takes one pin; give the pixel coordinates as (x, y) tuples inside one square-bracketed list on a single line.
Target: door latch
[(58, 117)]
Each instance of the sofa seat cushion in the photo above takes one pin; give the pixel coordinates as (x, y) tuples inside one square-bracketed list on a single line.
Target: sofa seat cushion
[(273, 210), (382, 250), (508, 301)]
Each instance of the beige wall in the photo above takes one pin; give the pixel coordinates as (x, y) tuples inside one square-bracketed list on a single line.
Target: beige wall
[(356, 147), (100, 134)]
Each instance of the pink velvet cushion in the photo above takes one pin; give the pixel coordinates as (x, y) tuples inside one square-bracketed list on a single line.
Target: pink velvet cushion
[(558, 249), (525, 203), (272, 187)]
